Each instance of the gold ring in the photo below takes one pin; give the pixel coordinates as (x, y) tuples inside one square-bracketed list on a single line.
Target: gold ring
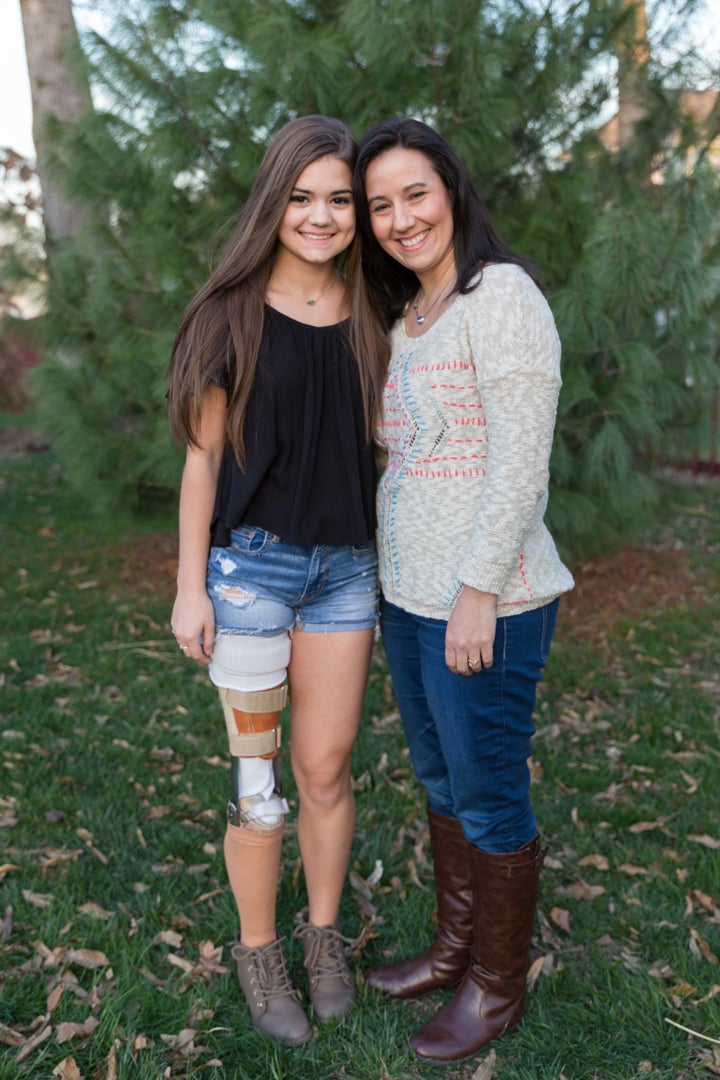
[(183, 647), (472, 664)]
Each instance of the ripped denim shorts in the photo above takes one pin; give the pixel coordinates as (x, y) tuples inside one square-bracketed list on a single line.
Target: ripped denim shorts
[(262, 585)]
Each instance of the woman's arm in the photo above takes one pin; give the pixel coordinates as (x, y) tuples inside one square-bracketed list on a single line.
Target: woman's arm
[(193, 619), (518, 370)]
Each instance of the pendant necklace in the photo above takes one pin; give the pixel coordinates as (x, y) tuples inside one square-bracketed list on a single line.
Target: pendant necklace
[(420, 319), (312, 301)]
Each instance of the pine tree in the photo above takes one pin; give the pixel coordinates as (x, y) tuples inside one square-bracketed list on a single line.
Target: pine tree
[(193, 89)]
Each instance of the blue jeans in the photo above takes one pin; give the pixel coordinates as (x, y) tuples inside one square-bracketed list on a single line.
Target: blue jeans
[(261, 585), (469, 736)]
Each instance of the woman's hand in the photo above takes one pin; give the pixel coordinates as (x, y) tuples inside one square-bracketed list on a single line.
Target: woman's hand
[(470, 633), (193, 624)]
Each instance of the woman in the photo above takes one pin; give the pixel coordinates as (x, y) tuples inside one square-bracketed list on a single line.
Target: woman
[(470, 575), (274, 390)]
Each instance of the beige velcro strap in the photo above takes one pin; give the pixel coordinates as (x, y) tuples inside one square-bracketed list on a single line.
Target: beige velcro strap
[(254, 744), (257, 701)]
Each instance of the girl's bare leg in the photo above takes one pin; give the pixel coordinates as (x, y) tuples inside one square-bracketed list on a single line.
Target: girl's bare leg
[(328, 675)]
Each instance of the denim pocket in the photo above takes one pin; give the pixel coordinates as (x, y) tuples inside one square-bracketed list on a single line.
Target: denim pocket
[(251, 540), (549, 614), (363, 550)]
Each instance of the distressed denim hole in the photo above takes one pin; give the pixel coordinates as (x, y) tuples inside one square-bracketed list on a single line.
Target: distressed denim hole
[(235, 595)]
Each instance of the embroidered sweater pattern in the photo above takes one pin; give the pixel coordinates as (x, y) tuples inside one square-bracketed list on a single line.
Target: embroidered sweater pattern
[(469, 416)]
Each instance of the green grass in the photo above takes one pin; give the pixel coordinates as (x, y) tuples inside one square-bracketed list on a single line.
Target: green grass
[(112, 814)]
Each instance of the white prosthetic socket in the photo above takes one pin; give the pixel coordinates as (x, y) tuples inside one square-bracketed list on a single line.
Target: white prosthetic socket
[(250, 674)]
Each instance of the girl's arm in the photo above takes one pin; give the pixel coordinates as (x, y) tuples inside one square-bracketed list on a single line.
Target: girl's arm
[(193, 618)]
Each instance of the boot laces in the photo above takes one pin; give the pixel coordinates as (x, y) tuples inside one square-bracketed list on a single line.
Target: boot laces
[(271, 971), (325, 951)]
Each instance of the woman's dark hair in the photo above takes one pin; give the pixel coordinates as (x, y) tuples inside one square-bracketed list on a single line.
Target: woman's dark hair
[(218, 340), (475, 239)]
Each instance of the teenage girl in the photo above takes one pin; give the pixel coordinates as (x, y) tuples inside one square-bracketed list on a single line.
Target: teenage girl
[(275, 376)]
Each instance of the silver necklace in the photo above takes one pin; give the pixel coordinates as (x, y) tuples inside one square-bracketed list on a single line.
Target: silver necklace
[(420, 319), (312, 301)]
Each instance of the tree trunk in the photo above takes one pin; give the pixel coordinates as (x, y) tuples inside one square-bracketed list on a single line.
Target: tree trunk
[(633, 55), (59, 94)]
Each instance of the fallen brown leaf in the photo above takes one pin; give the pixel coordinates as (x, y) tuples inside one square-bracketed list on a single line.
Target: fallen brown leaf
[(582, 891), (6, 925), (681, 990), (183, 1042), (486, 1068), (706, 841), (646, 826), (706, 903), (111, 1062), (40, 900), (87, 839), (598, 861), (169, 937), (210, 957), (32, 1043), (10, 1037), (68, 1030), (700, 947), (67, 1069), (53, 999), (180, 961), (692, 783), (561, 918), (87, 958), (54, 857), (543, 965), (95, 911), (412, 871)]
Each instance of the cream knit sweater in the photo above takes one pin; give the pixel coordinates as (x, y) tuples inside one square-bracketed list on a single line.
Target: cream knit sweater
[(469, 413)]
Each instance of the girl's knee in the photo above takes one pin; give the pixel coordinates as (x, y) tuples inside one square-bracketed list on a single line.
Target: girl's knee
[(324, 788)]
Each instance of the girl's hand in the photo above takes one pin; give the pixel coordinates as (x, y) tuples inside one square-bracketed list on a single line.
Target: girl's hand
[(470, 633), (193, 624)]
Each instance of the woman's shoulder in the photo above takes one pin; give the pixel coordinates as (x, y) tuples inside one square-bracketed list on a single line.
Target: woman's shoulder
[(502, 278), (509, 314), (505, 289)]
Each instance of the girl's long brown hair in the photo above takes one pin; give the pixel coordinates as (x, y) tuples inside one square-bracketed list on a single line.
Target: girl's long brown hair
[(219, 336)]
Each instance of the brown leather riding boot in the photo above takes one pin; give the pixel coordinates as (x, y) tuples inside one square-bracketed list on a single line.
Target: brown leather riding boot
[(491, 997), (445, 962)]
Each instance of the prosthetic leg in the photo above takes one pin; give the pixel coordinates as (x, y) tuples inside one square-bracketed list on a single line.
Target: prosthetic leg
[(250, 673)]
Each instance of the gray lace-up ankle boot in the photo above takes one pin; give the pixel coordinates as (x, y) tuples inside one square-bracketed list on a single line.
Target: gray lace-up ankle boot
[(332, 987), (274, 1003)]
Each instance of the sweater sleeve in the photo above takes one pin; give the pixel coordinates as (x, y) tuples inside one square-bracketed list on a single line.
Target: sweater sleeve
[(516, 351)]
